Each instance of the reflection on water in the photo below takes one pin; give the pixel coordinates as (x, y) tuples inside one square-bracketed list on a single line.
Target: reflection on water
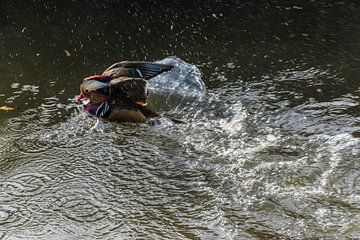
[(269, 151)]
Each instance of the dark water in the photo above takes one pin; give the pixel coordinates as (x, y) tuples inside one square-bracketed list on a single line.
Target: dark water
[(270, 151)]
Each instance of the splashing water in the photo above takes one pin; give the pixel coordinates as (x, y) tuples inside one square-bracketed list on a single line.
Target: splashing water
[(184, 79)]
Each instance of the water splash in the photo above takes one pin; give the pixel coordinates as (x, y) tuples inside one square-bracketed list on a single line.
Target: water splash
[(184, 79)]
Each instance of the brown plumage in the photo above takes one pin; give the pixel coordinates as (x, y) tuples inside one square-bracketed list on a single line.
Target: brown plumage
[(120, 92)]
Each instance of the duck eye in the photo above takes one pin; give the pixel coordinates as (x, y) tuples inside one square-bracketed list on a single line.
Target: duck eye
[(87, 90)]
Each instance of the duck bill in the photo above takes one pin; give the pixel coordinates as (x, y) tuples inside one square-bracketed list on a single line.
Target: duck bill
[(79, 98)]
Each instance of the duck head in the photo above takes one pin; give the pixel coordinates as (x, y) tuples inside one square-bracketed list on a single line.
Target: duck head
[(94, 88)]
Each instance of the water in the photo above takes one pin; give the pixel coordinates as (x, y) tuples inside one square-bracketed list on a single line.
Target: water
[(270, 150)]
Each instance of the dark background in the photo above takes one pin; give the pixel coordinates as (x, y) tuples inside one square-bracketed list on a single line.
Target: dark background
[(259, 37)]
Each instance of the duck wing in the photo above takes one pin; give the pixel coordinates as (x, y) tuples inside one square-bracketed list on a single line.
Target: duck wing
[(133, 92), (129, 89), (137, 69), (121, 72)]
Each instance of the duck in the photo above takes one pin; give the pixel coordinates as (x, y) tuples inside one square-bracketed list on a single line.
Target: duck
[(120, 92)]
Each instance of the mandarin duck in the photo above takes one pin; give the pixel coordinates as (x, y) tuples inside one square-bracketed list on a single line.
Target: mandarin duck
[(120, 92)]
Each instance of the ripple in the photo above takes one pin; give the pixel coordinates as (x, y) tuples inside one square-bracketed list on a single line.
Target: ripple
[(13, 217), (22, 123), (31, 144), (24, 184), (78, 208)]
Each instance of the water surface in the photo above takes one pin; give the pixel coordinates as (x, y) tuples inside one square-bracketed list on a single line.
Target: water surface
[(269, 151)]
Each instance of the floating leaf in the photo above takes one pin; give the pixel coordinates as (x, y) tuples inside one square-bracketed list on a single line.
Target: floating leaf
[(7, 108), (67, 53)]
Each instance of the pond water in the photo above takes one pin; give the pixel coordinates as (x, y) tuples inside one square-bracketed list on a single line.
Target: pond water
[(270, 150)]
